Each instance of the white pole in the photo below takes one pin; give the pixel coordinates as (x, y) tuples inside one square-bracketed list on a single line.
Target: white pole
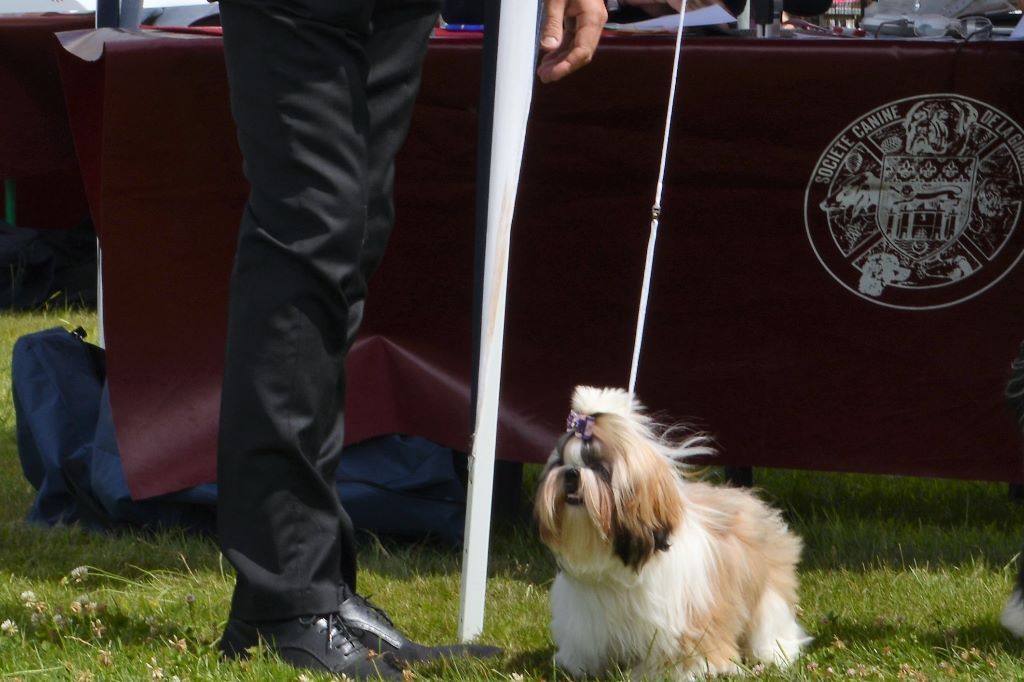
[(513, 91)]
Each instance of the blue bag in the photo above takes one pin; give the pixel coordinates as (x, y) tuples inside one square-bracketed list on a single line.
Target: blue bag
[(56, 382)]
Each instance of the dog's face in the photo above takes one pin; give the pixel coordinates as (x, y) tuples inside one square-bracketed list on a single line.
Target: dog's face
[(938, 126), (607, 493)]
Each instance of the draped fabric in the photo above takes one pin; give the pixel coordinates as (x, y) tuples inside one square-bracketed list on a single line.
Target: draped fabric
[(753, 333)]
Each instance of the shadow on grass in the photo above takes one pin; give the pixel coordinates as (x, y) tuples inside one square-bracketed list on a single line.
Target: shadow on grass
[(852, 521), (849, 522), (40, 553), (533, 664), (956, 644)]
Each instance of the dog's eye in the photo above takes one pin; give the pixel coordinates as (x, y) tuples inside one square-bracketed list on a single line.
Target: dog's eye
[(601, 469), (590, 460)]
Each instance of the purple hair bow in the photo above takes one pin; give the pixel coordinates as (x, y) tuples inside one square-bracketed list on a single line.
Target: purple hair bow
[(581, 425)]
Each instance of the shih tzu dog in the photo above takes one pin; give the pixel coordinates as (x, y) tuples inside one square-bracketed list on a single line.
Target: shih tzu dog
[(659, 576), (1012, 617)]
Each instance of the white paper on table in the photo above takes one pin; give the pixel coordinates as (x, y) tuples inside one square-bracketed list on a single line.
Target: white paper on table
[(46, 6), (75, 6), (669, 23), (1018, 30)]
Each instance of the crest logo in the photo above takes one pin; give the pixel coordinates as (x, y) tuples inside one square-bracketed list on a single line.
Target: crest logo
[(916, 205)]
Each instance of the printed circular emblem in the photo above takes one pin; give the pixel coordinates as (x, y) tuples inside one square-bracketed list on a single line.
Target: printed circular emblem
[(917, 204)]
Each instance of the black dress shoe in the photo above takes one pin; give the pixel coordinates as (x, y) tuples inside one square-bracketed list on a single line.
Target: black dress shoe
[(321, 643), (371, 626)]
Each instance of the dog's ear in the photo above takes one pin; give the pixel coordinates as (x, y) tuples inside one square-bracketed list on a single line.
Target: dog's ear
[(548, 489), (648, 507), (642, 528), (635, 549)]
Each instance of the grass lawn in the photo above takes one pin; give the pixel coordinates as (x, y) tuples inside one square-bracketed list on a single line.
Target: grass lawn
[(903, 579)]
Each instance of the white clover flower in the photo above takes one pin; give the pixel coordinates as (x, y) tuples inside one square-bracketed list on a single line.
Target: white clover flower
[(79, 573), (155, 671), (28, 597), (9, 627)]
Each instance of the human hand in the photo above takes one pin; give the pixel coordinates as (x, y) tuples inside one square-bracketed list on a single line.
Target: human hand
[(570, 31)]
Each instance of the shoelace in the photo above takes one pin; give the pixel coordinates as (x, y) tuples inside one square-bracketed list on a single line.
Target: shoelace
[(335, 627)]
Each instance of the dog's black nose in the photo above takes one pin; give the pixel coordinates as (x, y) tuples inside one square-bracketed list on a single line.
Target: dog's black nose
[(572, 481)]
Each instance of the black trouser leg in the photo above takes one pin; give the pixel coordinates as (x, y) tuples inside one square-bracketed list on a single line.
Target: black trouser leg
[(400, 27), (302, 89)]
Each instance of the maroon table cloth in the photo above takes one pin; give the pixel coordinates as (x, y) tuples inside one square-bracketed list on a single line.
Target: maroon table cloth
[(836, 285), (36, 149)]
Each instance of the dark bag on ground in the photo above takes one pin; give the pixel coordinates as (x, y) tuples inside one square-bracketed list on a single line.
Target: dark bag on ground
[(40, 267), (393, 485)]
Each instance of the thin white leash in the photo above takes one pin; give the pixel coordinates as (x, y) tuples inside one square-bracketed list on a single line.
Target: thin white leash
[(645, 289)]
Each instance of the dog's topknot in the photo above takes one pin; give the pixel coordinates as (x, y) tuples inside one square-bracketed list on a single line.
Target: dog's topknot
[(677, 442), (590, 400)]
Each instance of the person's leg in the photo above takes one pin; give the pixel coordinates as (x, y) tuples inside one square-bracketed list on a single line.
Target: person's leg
[(395, 51), (319, 159), (297, 70)]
